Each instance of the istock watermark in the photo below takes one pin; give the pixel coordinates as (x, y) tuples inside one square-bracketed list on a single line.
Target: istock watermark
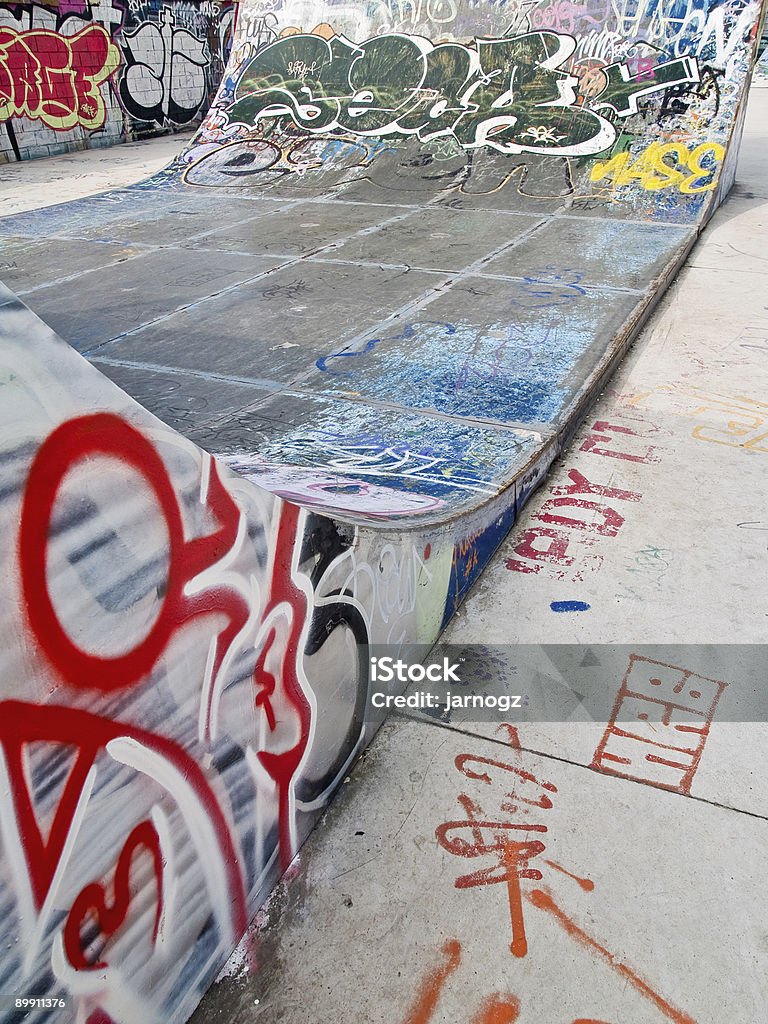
[(386, 670)]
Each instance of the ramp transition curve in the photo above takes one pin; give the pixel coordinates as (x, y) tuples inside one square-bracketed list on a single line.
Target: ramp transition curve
[(357, 319)]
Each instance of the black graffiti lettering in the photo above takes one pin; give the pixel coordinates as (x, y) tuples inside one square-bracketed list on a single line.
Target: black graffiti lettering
[(168, 64)]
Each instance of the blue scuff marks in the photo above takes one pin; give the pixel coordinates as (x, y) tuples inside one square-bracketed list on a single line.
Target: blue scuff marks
[(520, 361), (322, 363), (408, 331), (569, 606)]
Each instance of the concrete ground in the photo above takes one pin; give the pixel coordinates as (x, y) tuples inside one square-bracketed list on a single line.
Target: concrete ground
[(634, 905), (32, 184)]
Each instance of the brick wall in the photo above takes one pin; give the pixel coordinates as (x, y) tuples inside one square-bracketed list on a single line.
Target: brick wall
[(77, 75)]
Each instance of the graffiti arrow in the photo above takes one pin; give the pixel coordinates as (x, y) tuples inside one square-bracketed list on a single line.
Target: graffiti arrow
[(623, 89)]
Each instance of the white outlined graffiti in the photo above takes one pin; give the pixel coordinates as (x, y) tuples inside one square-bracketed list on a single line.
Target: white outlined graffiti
[(509, 94)]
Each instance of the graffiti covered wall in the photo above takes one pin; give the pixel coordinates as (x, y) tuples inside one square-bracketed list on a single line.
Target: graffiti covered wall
[(78, 74), (607, 103)]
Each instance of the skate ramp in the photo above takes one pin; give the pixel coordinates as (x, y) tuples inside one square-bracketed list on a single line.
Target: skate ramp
[(357, 320), (404, 250)]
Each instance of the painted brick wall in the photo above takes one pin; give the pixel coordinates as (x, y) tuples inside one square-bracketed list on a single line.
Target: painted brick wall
[(78, 75)]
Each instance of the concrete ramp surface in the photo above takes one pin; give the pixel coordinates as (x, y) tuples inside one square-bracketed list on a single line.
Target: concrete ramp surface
[(357, 319)]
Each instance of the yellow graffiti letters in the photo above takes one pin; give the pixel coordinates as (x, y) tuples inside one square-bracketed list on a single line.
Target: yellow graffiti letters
[(665, 165)]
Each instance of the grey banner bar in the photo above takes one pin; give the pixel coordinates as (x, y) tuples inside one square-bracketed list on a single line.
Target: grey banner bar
[(652, 686)]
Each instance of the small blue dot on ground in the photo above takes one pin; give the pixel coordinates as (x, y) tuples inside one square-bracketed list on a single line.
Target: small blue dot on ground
[(569, 606)]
